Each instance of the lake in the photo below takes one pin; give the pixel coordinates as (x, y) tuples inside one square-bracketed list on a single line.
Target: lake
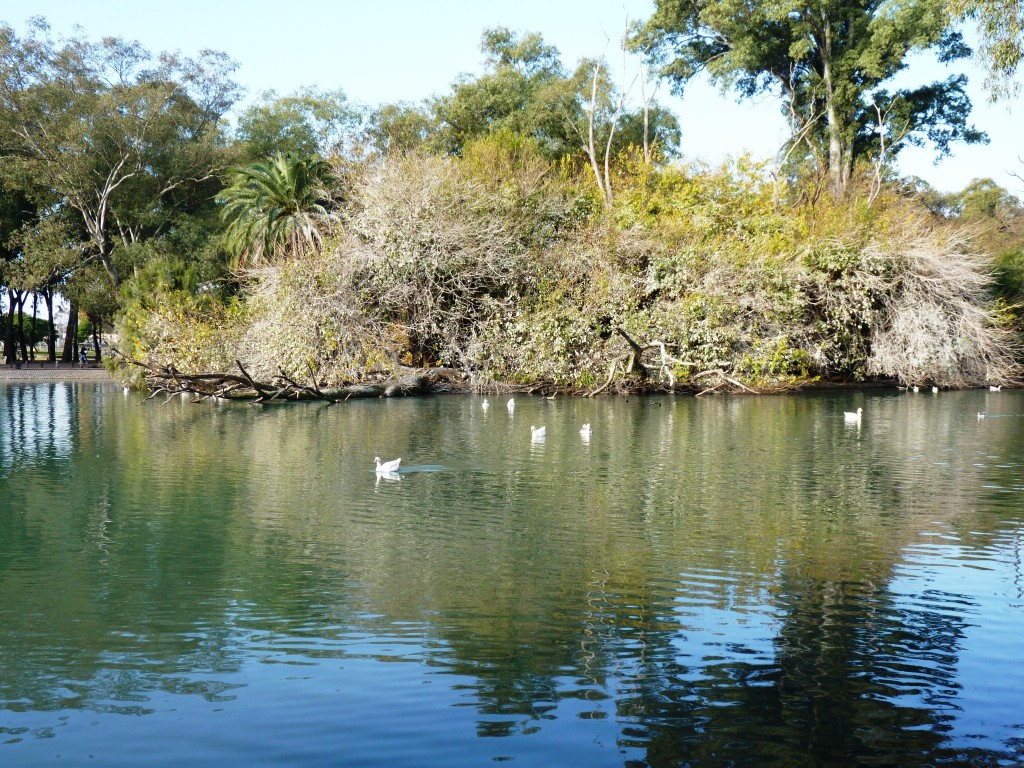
[(710, 581)]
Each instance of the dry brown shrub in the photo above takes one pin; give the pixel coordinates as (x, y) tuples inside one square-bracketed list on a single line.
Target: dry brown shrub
[(937, 323), (438, 250), (303, 321)]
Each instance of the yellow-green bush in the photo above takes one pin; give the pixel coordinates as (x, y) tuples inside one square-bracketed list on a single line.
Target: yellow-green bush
[(512, 269)]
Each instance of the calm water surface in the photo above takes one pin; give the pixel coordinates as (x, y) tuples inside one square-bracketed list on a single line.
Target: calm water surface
[(706, 582)]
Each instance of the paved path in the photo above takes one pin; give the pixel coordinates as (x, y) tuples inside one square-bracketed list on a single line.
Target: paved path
[(51, 372)]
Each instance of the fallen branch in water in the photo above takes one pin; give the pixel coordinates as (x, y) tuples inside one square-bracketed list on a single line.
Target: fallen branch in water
[(166, 379), (721, 374)]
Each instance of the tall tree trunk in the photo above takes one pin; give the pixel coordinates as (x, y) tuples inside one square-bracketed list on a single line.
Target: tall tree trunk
[(21, 327), (51, 337), (71, 335), (836, 160), (837, 157), (108, 264), (32, 329), (97, 327), (12, 307), (95, 224)]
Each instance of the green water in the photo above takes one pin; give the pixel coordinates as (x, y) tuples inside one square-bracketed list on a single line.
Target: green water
[(707, 582)]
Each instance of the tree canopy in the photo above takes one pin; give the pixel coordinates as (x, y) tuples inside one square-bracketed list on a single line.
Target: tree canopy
[(523, 223), (1001, 29), (123, 138), (306, 123), (831, 61), (525, 90)]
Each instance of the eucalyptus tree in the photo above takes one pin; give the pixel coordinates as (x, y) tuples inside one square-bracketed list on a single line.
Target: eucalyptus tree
[(306, 123), (109, 131), (832, 62), (1000, 25), (400, 128), (276, 207), (603, 125), (524, 90), (580, 116)]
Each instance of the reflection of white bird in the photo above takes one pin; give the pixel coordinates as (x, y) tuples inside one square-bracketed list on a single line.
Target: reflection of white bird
[(511, 404), (853, 417), (388, 467), (485, 405), (994, 389), (981, 415), (538, 433), (585, 430)]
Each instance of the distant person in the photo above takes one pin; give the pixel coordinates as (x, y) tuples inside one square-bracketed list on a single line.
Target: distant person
[(84, 356)]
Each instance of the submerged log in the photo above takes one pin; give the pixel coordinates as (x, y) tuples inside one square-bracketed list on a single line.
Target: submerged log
[(167, 380)]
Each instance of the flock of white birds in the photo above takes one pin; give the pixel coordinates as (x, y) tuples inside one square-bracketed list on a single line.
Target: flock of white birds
[(538, 434), (854, 417)]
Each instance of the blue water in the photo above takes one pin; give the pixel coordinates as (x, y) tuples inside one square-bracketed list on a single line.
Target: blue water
[(705, 581)]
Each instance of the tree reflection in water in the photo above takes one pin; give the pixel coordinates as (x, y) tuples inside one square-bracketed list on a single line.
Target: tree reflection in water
[(705, 583)]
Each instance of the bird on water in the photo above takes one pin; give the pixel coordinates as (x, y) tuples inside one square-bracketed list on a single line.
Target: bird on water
[(388, 466)]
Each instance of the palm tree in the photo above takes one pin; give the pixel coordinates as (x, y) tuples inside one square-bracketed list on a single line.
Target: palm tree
[(275, 207)]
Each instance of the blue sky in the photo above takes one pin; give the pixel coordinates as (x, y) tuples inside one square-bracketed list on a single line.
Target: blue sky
[(380, 52)]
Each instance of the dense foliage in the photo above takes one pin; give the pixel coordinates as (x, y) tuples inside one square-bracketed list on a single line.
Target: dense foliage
[(528, 228), (522, 277), (113, 152), (832, 63)]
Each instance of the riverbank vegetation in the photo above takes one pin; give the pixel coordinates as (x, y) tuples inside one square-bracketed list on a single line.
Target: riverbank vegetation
[(534, 227)]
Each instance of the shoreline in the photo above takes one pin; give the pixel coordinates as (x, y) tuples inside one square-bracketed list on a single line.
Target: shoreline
[(40, 372), (28, 373)]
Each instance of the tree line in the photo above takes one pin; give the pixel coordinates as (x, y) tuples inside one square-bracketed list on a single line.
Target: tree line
[(123, 189)]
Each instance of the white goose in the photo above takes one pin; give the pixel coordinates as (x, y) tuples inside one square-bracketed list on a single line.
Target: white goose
[(388, 467), (994, 388), (538, 433), (981, 415), (585, 431), (511, 404), (485, 405), (853, 417)]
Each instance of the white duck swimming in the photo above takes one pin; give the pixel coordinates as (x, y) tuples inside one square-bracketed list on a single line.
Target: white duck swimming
[(388, 467)]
